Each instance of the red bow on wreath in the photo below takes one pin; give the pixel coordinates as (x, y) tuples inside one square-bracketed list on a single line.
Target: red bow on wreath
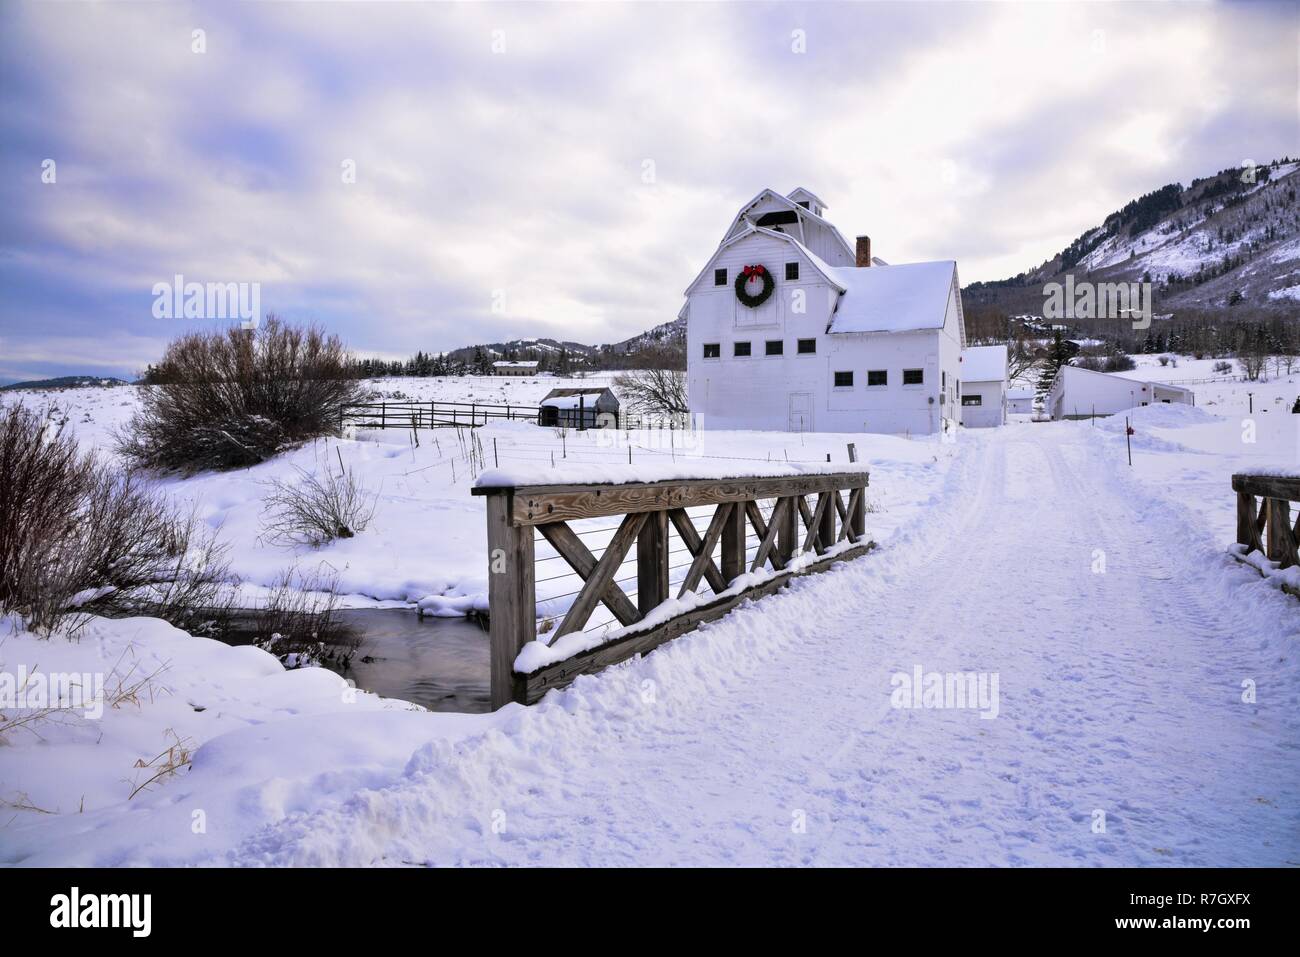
[(752, 272)]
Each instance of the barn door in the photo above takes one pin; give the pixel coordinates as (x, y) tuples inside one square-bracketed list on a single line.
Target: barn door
[(801, 412)]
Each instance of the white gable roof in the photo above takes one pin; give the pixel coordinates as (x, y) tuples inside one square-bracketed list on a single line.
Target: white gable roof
[(801, 194), (984, 364), (903, 298), (751, 230)]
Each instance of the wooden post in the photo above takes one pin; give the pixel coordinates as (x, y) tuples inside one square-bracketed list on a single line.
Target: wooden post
[(1279, 531), (733, 544), (858, 516), (512, 595), (827, 530), (652, 563), (1246, 535), (787, 536), (853, 452)]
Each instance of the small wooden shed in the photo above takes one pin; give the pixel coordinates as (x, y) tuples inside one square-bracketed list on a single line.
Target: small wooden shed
[(592, 408)]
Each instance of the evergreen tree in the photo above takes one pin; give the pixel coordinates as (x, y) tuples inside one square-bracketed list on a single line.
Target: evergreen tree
[(1058, 355)]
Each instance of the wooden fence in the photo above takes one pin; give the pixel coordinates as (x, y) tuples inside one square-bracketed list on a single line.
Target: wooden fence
[(1266, 526), (432, 415), (450, 415), (790, 537)]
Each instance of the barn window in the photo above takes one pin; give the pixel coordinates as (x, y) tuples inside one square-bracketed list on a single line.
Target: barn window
[(719, 277), (972, 400), (844, 380), (791, 271), (877, 377), (807, 347), (740, 349), (913, 376), (776, 347), (712, 350)]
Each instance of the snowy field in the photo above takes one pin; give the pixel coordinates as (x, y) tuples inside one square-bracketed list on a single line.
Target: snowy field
[(765, 738)]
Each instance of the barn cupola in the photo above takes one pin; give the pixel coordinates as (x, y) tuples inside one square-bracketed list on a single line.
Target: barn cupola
[(808, 200)]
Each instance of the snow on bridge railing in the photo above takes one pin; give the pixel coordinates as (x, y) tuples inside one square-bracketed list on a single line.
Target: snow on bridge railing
[(1267, 527), (741, 536)]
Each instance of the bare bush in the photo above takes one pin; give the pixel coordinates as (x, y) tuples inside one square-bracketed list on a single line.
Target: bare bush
[(299, 622), (234, 398), (79, 538), (317, 507)]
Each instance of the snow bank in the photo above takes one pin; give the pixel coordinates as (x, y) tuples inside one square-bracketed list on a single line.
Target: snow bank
[(1158, 415)]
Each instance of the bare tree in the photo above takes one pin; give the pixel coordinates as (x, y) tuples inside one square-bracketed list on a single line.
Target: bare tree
[(654, 391)]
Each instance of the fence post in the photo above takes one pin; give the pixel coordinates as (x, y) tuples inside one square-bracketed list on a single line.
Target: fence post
[(512, 595), (827, 530), (652, 563), (858, 517), (733, 543), (1279, 531), (1246, 521), (383, 415), (787, 534)]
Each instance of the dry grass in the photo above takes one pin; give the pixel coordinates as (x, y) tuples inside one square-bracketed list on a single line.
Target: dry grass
[(317, 507)]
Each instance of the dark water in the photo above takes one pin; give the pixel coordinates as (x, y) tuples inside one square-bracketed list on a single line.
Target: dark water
[(440, 663)]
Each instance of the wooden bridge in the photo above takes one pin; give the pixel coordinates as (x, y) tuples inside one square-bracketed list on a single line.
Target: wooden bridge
[(763, 525), (1266, 526)]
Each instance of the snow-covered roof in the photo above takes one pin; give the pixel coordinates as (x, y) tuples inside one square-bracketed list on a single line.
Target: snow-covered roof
[(518, 364), (902, 298), (571, 398), (1020, 393), (984, 364)]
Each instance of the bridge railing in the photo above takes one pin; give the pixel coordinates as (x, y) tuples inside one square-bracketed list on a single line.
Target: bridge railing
[(1265, 525), (736, 538)]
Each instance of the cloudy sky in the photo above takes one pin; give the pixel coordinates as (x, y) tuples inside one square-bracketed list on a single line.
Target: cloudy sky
[(564, 170)]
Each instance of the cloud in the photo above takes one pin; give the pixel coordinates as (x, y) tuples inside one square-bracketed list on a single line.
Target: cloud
[(581, 175)]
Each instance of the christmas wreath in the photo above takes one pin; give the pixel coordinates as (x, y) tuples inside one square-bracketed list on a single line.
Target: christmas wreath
[(754, 272)]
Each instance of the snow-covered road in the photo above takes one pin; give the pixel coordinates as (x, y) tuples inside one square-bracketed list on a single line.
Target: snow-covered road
[(1120, 637)]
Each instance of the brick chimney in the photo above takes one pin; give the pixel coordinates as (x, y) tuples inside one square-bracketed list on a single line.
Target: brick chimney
[(864, 251)]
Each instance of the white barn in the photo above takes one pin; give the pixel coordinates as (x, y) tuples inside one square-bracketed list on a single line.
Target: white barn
[(515, 367), (984, 386), (790, 328), (1079, 393)]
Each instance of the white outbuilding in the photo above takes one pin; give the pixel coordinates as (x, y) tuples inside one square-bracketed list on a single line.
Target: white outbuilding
[(984, 386), (1078, 393), (788, 327), (1020, 401)]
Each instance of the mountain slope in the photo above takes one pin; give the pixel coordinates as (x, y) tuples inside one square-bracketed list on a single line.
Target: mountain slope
[(1223, 240)]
